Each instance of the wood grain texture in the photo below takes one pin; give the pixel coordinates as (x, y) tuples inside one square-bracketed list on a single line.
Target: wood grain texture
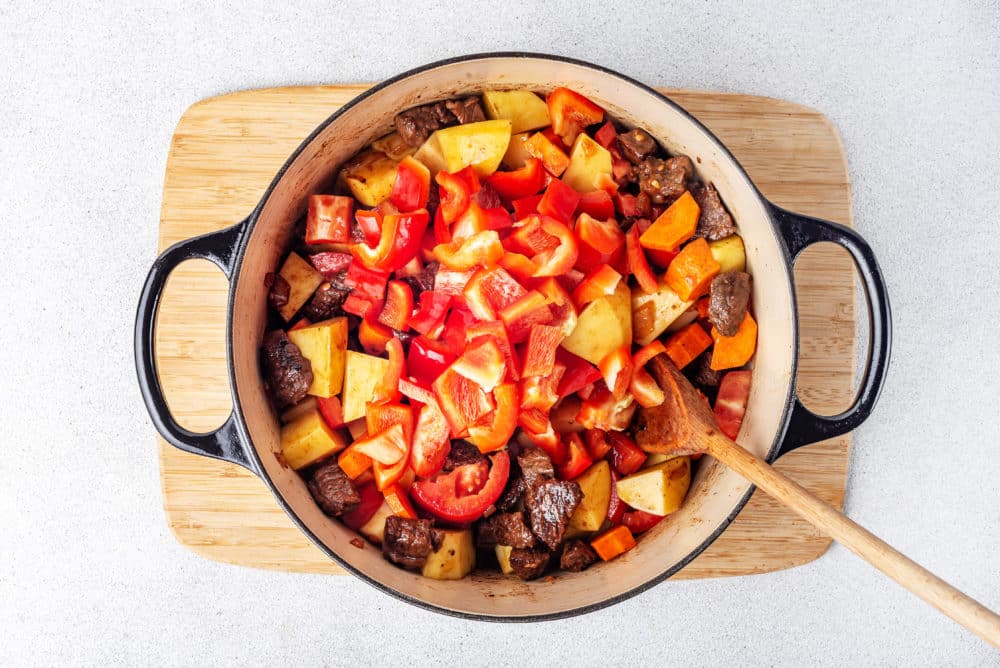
[(223, 155)]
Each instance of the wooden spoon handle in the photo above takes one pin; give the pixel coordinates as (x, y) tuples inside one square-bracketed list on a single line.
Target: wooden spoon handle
[(966, 611)]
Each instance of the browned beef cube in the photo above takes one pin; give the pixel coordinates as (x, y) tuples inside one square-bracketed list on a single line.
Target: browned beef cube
[(504, 529), (728, 299), (408, 542), (288, 373), (550, 504), (529, 563), (577, 556), (332, 489)]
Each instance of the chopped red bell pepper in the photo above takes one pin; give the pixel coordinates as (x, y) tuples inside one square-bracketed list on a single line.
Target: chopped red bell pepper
[(379, 417), (564, 315), (373, 335), (558, 260), (559, 201), (529, 239), (626, 457), (490, 290), (556, 140), (331, 411), (461, 400), (427, 359), (616, 507), (389, 474), (387, 389), (519, 316), (638, 264), (645, 389), (454, 196), (370, 224), (648, 352), (577, 460), (540, 355), (494, 433), (451, 282), (399, 243), (398, 306), (601, 242), (597, 443), (455, 325), (520, 182), (519, 266), (418, 394), (329, 219), (300, 323), (441, 234), (533, 420), (366, 283), (597, 204), (579, 373), (371, 501), (429, 318), (439, 496), (616, 368), (496, 218), (463, 254), (399, 501), (385, 447), (571, 113), (551, 153), (482, 363), (540, 391), (330, 263), (361, 307), (412, 185), (639, 520), (627, 205), (526, 206), (600, 410), (601, 282), (607, 136), (495, 329), (431, 440), (549, 441), (469, 177)]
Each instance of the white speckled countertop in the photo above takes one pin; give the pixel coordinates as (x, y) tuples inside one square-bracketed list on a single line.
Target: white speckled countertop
[(89, 572)]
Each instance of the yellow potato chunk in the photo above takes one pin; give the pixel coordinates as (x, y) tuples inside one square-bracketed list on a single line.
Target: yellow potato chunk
[(361, 374), (604, 325), (653, 314), (588, 160), (524, 109), (659, 489), (729, 253), (308, 439), (481, 145), (302, 281), (324, 344), (370, 177), (517, 153), (454, 559), (595, 483)]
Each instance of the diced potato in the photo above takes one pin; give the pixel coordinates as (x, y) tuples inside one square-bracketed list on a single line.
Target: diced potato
[(503, 558), (324, 344), (595, 483), (302, 282), (517, 154), (298, 410), (430, 155), (393, 146), (604, 325), (683, 320), (659, 489), (370, 177), (652, 314), (361, 374), (481, 145), (655, 458), (308, 439), (524, 109), (374, 528), (729, 253), (454, 559), (588, 160)]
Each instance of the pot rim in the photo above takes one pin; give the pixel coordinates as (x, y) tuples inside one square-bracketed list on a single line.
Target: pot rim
[(254, 457)]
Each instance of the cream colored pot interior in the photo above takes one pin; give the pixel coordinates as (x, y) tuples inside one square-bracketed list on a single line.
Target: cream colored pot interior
[(716, 491)]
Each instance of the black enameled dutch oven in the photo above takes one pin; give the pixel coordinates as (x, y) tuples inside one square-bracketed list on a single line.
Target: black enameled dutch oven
[(776, 421)]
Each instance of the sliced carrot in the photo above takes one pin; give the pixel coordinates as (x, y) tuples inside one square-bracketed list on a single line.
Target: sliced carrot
[(674, 226), (353, 462), (690, 273), (684, 346), (613, 542), (736, 350)]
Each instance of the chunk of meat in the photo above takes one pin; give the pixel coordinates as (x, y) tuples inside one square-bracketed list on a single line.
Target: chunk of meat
[(416, 125), (536, 466), (577, 556), (421, 281), (701, 373), (728, 299), (332, 489), (278, 290), (664, 180), (636, 145), (529, 563), (468, 110), (513, 493), (288, 373), (327, 301), (460, 454), (408, 542), (504, 529), (550, 504), (714, 222)]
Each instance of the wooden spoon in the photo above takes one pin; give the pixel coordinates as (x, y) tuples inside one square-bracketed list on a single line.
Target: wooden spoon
[(685, 424)]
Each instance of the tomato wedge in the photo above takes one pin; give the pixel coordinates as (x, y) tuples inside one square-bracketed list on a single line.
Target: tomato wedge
[(731, 402), (439, 496)]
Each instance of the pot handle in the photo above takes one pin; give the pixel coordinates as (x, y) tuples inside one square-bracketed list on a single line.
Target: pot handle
[(804, 426), (220, 249)]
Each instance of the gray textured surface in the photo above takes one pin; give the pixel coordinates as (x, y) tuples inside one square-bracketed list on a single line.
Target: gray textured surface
[(89, 97)]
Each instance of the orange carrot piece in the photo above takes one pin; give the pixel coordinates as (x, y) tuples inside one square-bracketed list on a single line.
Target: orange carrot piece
[(613, 542), (690, 274), (736, 350), (674, 226), (354, 463), (399, 501), (684, 346)]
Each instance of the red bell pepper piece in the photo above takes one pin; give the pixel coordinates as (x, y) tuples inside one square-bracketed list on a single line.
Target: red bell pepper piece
[(549, 441), (399, 501), (387, 390), (540, 391), (494, 433), (380, 417), (366, 283), (497, 218), (373, 335), (387, 475), (463, 254), (330, 410), (564, 313), (607, 136), (625, 457), (529, 239), (519, 266), (469, 177), (430, 441), (526, 206), (597, 203), (639, 520), (440, 496), (579, 373), (412, 185), (556, 140), (638, 264), (398, 306), (427, 359), (385, 447), (647, 392), (577, 460), (599, 283), (600, 410), (454, 196), (731, 402), (534, 420), (330, 263), (429, 318), (370, 224), (417, 393), (441, 233), (410, 228), (540, 355), (648, 352), (371, 500), (519, 316), (627, 205), (559, 260), (601, 242), (455, 325), (489, 291), (495, 329), (571, 113), (451, 282), (461, 400), (559, 201), (616, 368), (616, 507), (521, 182), (551, 153), (482, 363), (329, 219), (361, 307), (597, 443)]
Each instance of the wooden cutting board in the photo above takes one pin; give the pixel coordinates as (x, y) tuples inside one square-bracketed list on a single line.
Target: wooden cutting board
[(225, 152)]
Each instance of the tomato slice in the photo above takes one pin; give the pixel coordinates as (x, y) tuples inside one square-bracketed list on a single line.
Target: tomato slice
[(731, 402), (430, 440), (439, 496)]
